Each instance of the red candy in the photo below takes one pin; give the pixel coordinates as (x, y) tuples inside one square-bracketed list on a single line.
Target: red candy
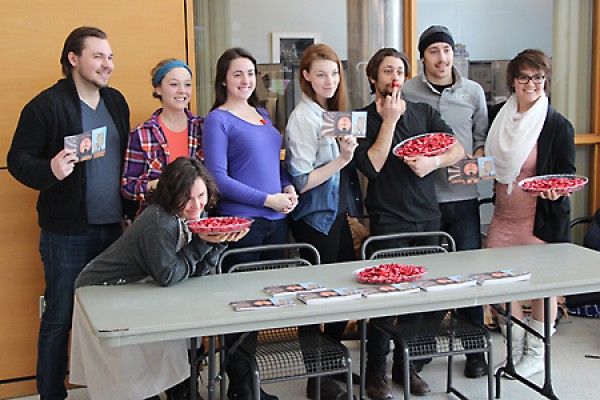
[(430, 144), (558, 184), (219, 224), (389, 273)]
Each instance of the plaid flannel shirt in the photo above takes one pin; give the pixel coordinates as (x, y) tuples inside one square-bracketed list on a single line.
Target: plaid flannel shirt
[(148, 153)]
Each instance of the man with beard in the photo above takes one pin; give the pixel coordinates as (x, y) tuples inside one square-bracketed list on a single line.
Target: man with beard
[(80, 209), (461, 102), (401, 193)]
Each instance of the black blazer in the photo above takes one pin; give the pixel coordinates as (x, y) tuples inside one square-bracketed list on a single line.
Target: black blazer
[(556, 155)]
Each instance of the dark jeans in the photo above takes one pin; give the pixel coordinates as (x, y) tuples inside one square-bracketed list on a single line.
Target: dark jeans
[(378, 343), (64, 256), (262, 232), (336, 246), (461, 220)]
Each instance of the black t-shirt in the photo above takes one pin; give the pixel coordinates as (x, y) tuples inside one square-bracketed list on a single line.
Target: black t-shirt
[(343, 206), (396, 191)]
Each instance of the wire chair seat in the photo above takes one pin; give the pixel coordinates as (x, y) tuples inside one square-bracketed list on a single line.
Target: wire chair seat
[(434, 336), (451, 336), (282, 354), (293, 352)]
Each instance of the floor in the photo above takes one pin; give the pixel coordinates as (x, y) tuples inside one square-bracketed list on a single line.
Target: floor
[(575, 377)]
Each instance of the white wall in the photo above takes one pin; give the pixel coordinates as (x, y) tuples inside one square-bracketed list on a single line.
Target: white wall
[(254, 20), (491, 29)]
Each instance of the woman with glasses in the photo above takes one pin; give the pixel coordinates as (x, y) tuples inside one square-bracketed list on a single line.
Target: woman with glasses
[(528, 137)]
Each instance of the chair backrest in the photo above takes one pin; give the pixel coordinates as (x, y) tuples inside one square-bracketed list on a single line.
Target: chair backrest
[(580, 220), (292, 258), (445, 244)]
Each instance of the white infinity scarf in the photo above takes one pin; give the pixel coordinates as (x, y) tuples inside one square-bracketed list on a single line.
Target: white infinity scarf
[(512, 137)]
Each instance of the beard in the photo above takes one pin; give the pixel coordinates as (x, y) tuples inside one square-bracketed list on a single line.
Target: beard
[(94, 80)]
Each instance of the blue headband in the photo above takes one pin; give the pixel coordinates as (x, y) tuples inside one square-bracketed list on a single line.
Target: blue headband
[(162, 71)]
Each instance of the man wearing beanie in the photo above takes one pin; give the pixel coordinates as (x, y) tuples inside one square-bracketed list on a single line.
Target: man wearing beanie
[(461, 102)]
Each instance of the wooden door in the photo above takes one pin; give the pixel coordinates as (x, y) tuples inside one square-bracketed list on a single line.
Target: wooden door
[(141, 33)]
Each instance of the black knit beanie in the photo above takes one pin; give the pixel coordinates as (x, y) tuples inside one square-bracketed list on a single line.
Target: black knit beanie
[(434, 34)]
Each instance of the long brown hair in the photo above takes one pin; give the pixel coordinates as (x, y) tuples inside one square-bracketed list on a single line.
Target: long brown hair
[(221, 76), (339, 101)]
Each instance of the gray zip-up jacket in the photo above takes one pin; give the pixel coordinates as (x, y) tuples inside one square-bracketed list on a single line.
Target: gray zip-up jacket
[(463, 107)]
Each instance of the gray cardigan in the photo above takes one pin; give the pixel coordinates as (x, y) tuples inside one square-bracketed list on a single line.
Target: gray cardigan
[(155, 246), (463, 107)]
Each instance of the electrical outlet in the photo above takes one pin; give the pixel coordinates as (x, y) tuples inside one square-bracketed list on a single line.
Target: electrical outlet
[(42, 306)]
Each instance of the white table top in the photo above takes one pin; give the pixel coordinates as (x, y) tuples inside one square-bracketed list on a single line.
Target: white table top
[(142, 313)]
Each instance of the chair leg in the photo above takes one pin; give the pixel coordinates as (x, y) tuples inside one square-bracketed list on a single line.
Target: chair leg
[(490, 368), (256, 385), (406, 371), (449, 375), (349, 388), (318, 387)]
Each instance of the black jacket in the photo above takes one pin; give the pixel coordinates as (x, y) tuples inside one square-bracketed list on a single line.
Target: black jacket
[(44, 122), (556, 155)]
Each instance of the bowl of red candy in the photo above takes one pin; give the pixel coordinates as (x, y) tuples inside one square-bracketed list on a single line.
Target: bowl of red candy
[(219, 225), (560, 183), (427, 144), (389, 273)]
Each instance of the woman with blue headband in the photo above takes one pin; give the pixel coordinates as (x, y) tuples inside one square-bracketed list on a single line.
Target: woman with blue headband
[(172, 131)]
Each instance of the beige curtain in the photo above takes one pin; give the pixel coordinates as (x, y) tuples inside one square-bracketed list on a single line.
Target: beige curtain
[(571, 61), (212, 31), (571, 76)]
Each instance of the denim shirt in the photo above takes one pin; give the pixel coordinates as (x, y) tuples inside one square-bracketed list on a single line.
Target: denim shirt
[(306, 150)]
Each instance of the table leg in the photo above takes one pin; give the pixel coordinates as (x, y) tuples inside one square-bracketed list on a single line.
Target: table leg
[(546, 390), (363, 359), (212, 344), (193, 365)]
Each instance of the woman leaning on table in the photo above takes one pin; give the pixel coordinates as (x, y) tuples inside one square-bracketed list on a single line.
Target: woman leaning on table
[(322, 173), (158, 248), (172, 131), (528, 137)]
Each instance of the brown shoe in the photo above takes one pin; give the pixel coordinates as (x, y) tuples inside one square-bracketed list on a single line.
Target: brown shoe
[(418, 386), (377, 387)]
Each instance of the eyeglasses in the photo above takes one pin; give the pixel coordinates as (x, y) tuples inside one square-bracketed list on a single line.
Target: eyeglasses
[(524, 79)]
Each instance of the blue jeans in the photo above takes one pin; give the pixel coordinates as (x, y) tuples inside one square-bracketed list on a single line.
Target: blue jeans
[(64, 256), (461, 220)]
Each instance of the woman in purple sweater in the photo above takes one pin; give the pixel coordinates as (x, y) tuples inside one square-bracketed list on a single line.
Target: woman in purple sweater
[(242, 152)]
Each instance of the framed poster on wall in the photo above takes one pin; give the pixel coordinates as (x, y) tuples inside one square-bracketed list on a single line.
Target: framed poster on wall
[(289, 46)]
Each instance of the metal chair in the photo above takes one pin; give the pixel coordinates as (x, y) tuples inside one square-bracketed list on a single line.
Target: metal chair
[(287, 353), (432, 338)]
